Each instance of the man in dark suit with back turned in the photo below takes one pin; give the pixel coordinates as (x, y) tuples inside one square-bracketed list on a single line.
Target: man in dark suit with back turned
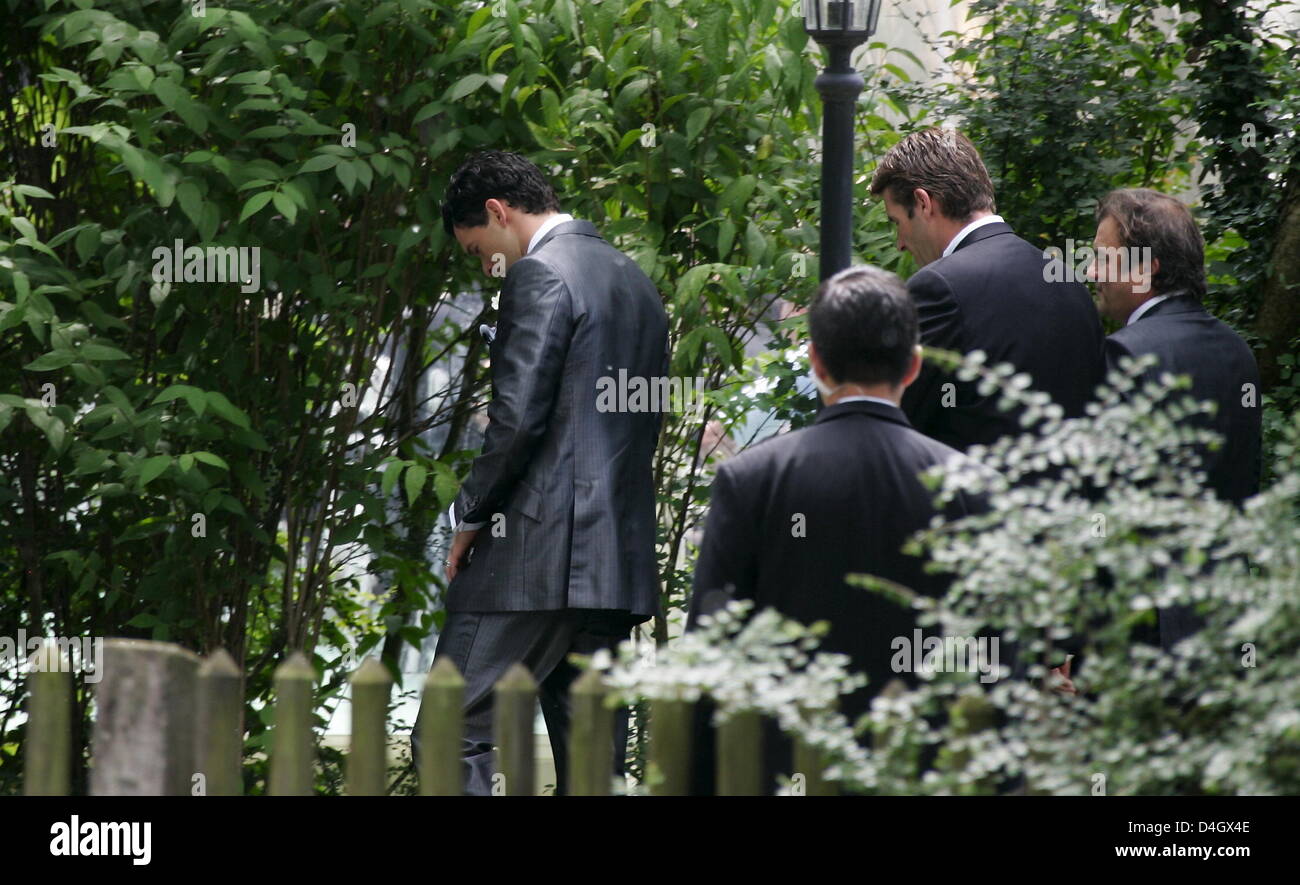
[(554, 550), (792, 516), (980, 287), (1156, 296)]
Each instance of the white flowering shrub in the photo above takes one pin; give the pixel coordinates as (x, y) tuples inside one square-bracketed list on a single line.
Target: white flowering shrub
[(1093, 524)]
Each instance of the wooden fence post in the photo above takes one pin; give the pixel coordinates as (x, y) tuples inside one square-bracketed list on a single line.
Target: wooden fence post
[(292, 750), (739, 754), (220, 735), (811, 764), (49, 725), (670, 747), (143, 741), (515, 703), (441, 730), (591, 737), (368, 757)]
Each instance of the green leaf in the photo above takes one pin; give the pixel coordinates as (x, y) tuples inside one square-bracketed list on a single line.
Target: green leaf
[(445, 484), (464, 86), (726, 237), (315, 50), (347, 175), (224, 408), (50, 425), (193, 395), (153, 468), (319, 163), (284, 203), (209, 458), (551, 108), (695, 123), (414, 482), (755, 243), (187, 194), (274, 131), (87, 242), (25, 228), (737, 194), (92, 351), (31, 190), (55, 359), (208, 224), (391, 471), (254, 204)]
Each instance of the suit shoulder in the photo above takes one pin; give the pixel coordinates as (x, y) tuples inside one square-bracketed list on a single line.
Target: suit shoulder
[(538, 266), (764, 455)]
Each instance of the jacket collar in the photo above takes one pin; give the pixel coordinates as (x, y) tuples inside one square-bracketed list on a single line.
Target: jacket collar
[(1177, 302), (863, 407), (576, 226), (983, 232)]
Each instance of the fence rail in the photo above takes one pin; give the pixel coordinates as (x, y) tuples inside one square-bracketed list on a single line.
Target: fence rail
[(167, 719)]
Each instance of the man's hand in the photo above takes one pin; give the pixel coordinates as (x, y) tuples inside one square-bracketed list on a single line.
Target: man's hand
[(460, 546), (1059, 679)]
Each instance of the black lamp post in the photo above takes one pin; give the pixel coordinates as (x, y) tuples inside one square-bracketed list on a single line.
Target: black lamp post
[(839, 25)]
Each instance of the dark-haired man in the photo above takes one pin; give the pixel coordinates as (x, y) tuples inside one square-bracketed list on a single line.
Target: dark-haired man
[(1155, 292), (980, 287), (555, 524), (792, 516)]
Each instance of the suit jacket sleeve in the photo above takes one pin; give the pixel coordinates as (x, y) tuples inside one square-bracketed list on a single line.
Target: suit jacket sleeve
[(528, 357), (1111, 351), (726, 562), (666, 368), (940, 322)]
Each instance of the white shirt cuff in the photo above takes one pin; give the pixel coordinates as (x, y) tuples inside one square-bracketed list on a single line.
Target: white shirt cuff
[(462, 526)]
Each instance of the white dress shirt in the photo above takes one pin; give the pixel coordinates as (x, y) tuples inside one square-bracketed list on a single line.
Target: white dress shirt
[(961, 234), (557, 218), (872, 399), (1144, 307)]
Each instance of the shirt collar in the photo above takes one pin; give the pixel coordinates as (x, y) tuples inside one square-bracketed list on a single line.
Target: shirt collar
[(557, 218), (870, 399), (1144, 307), (961, 234)]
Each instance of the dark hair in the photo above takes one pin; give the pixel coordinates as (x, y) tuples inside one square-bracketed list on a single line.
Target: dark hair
[(1149, 218), (945, 164), (499, 175), (863, 324)]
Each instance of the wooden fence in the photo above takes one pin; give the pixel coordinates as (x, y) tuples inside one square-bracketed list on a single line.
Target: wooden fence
[(164, 715)]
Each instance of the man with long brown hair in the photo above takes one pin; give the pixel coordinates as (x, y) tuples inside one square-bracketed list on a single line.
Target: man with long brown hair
[(980, 287)]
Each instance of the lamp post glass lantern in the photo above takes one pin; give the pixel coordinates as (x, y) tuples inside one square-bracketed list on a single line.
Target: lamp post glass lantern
[(830, 19)]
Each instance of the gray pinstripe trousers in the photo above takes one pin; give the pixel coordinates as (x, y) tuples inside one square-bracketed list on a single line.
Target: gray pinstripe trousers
[(484, 645)]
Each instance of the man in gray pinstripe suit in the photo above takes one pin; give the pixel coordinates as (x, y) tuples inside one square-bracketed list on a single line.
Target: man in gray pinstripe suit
[(554, 550)]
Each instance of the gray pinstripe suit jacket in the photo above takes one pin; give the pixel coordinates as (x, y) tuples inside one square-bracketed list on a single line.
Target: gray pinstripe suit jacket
[(566, 491)]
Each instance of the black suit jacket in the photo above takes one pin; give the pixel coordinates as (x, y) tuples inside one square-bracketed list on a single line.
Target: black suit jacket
[(990, 294), (1188, 341), (850, 480), (572, 484)]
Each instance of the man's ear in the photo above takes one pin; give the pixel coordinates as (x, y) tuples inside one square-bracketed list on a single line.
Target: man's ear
[(818, 367), (924, 202), (914, 368), (498, 210)]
